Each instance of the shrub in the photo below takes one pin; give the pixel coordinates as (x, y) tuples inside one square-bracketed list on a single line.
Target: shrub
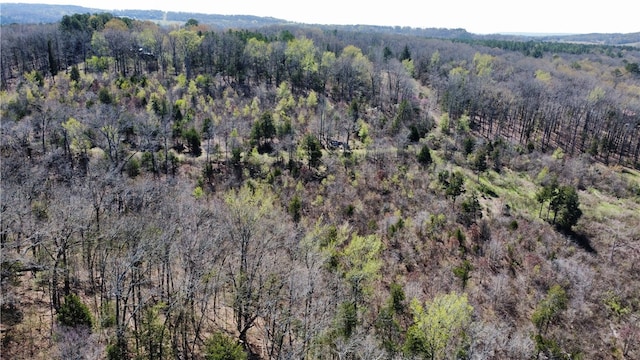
[(221, 347), (74, 313), (133, 168), (513, 225), (104, 96)]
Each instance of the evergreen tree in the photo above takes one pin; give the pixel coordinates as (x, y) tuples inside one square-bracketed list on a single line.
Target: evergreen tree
[(313, 149), (194, 142), (75, 74), (566, 208), (406, 54), (222, 347), (454, 185), (424, 156), (74, 313)]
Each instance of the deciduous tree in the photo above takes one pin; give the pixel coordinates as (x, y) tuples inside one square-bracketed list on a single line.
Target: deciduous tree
[(439, 326)]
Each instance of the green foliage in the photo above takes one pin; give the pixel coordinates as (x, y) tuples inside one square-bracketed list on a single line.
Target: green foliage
[(549, 308), (471, 209), (207, 127), (550, 347), (463, 125), (468, 144), (483, 64), (363, 133), (115, 352), (191, 23), (566, 207), (98, 63), (424, 156), (479, 161), (349, 210), (40, 210), (284, 127), (438, 327), (105, 96), (9, 271), (388, 331), (301, 59), (452, 182), (406, 54), (221, 347), (194, 142), (17, 108), (547, 191), (295, 207), (558, 154), (614, 304), (414, 134), (148, 162), (361, 263), (347, 319), (513, 225), (387, 324), (463, 272), (286, 36), (154, 337), (263, 129), (397, 298), (387, 53), (564, 202), (76, 134), (236, 155), (74, 75), (35, 77), (133, 167), (404, 115), (313, 150), (632, 68), (176, 113), (73, 312), (197, 193), (487, 190), (159, 105), (394, 228), (107, 315)]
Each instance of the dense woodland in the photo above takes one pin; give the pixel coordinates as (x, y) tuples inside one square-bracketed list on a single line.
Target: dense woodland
[(296, 192)]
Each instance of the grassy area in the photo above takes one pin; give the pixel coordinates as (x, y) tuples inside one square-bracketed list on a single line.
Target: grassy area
[(602, 207), (511, 189)]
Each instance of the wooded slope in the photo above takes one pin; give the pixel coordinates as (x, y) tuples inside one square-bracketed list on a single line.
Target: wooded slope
[(293, 192)]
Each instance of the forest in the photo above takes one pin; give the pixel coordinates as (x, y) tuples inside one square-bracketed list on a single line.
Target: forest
[(303, 192)]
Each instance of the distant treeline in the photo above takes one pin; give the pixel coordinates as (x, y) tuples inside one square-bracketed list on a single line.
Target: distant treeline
[(537, 48)]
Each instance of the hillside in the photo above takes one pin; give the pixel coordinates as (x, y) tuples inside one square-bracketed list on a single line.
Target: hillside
[(20, 13), (290, 192)]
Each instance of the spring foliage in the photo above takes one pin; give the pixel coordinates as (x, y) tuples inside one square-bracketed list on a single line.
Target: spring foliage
[(437, 325)]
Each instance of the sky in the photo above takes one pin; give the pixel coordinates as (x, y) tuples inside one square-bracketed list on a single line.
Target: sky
[(480, 17)]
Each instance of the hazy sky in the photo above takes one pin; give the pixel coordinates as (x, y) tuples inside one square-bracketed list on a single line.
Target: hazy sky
[(488, 16)]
